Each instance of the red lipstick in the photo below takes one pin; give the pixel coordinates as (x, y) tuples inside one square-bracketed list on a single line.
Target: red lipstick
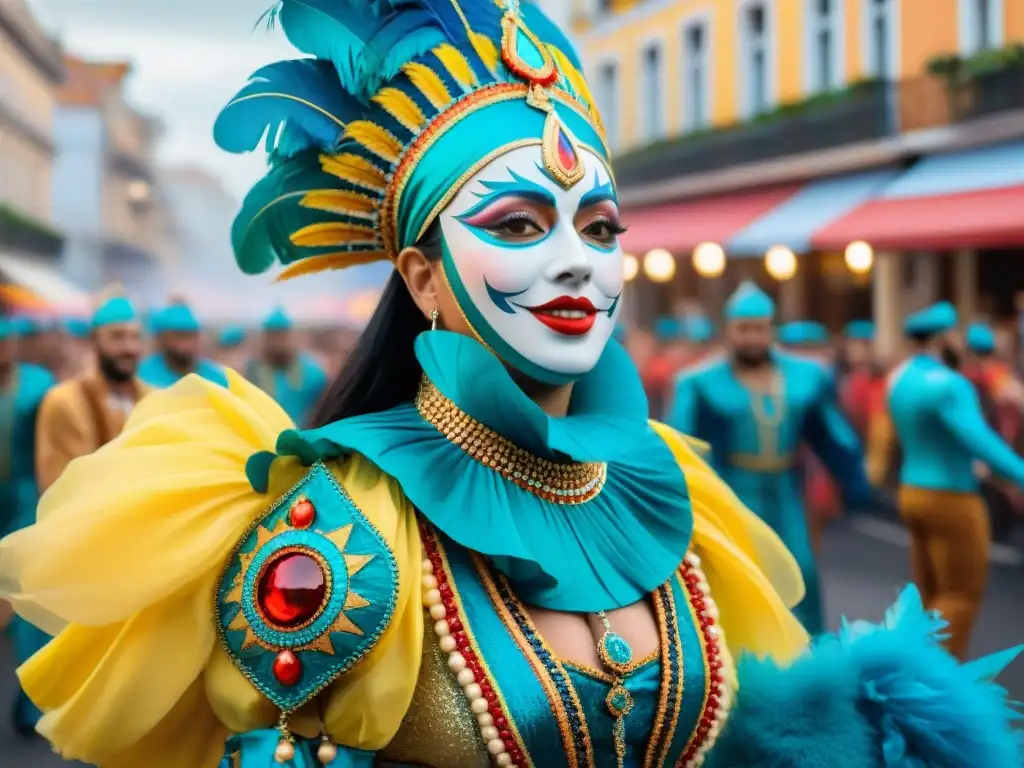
[(567, 315)]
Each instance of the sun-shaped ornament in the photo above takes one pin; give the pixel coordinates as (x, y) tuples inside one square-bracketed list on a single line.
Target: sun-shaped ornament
[(307, 593)]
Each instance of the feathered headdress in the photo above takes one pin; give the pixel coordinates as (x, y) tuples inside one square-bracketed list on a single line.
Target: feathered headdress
[(402, 102)]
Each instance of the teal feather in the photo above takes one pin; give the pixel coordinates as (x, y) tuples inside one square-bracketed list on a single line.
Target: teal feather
[(271, 212), (367, 42), (302, 94), (873, 696)]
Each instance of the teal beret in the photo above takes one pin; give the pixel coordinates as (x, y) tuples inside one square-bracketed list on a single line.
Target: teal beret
[(938, 318), (77, 328), (177, 318), (278, 320), (981, 339), (6, 328), (231, 336), (749, 302), (114, 311), (862, 330)]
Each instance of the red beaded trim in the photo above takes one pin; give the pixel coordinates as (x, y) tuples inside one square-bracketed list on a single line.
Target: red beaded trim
[(715, 709), (466, 646)]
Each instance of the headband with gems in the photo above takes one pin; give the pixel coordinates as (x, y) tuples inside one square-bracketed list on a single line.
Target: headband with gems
[(373, 143)]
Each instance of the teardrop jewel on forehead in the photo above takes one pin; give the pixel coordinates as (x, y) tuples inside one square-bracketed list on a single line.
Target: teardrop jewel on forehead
[(560, 152)]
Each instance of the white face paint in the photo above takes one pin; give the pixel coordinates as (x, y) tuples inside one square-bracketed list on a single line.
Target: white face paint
[(537, 268)]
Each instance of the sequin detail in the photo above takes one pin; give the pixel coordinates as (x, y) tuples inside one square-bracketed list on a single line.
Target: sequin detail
[(563, 483)]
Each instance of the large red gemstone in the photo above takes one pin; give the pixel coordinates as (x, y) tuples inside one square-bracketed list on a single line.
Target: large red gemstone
[(292, 589), (287, 668), (302, 513), (566, 153)]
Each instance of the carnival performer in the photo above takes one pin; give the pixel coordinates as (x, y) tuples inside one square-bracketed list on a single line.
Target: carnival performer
[(290, 376), (231, 347), (22, 388), (756, 407), (178, 340), (942, 432), (83, 414), (40, 342), (485, 554)]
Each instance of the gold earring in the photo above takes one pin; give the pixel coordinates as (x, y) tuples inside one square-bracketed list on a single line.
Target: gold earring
[(434, 314)]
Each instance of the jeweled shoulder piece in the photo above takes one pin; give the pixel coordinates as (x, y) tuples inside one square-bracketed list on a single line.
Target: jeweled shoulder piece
[(307, 593)]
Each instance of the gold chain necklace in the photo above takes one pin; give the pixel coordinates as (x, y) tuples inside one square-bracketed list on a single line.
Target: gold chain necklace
[(559, 482)]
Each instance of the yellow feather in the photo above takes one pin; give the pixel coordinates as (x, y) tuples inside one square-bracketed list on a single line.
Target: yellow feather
[(355, 170), (340, 201), (329, 261), (429, 83), (376, 139), (333, 233), (458, 66), (400, 106), (486, 50), (577, 81)]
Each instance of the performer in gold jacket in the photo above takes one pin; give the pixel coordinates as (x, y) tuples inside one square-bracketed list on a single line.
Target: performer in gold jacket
[(87, 412)]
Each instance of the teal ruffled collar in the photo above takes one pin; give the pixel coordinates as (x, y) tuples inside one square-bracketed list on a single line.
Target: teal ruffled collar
[(605, 553)]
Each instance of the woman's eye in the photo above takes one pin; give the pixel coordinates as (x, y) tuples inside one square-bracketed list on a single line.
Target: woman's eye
[(517, 226), (603, 231)]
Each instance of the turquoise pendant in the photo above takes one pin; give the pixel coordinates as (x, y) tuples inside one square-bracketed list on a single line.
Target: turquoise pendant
[(615, 652)]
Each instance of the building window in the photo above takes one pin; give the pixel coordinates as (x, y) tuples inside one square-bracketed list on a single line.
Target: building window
[(825, 37), (651, 93), (880, 40), (981, 26), (608, 101), (756, 47), (695, 76)]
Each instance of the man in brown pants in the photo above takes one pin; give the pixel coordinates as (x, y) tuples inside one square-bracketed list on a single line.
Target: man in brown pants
[(943, 434)]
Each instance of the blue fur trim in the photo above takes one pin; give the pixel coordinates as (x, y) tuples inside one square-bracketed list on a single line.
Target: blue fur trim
[(874, 696)]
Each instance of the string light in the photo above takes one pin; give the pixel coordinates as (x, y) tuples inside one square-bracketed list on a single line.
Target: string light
[(780, 262), (860, 257), (709, 259), (659, 265)]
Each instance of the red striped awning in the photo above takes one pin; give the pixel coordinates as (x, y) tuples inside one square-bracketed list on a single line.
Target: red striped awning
[(680, 226), (989, 218)]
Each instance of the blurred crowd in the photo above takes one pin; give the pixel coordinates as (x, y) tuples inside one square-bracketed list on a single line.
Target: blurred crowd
[(678, 344)]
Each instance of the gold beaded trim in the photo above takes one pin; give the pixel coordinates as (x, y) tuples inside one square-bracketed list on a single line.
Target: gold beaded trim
[(562, 483)]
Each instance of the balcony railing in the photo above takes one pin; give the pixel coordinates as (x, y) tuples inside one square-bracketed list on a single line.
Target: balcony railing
[(866, 112)]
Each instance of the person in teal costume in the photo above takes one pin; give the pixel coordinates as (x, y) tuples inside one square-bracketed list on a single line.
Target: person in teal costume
[(289, 375), (943, 435), (555, 609), (755, 436), (24, 386), (178, 337)]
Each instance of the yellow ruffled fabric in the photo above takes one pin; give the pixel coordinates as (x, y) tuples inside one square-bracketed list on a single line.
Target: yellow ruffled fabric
[(123, 564), (752, 575)]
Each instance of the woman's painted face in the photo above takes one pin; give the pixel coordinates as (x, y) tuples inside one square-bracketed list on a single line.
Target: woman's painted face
[(535, 267)]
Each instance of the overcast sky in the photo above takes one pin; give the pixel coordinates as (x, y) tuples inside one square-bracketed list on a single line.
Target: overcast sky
[(190, 57)]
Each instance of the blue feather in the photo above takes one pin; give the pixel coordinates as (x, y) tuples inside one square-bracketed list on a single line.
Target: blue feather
[(302, 93), (874, 696), (367, 42)]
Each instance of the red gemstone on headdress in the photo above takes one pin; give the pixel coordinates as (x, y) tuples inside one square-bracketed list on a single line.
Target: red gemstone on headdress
[(566, 152), (302, 514), (292, 589), (287, 668)]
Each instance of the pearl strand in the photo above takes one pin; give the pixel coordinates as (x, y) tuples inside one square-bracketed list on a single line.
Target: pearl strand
[(478, 704)]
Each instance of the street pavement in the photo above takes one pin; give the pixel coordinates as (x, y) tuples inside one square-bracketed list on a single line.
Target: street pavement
[(864, 563)]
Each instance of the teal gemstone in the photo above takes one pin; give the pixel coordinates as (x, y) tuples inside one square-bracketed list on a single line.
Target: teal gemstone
[(527, 51), (619, 700), (617, 649)]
